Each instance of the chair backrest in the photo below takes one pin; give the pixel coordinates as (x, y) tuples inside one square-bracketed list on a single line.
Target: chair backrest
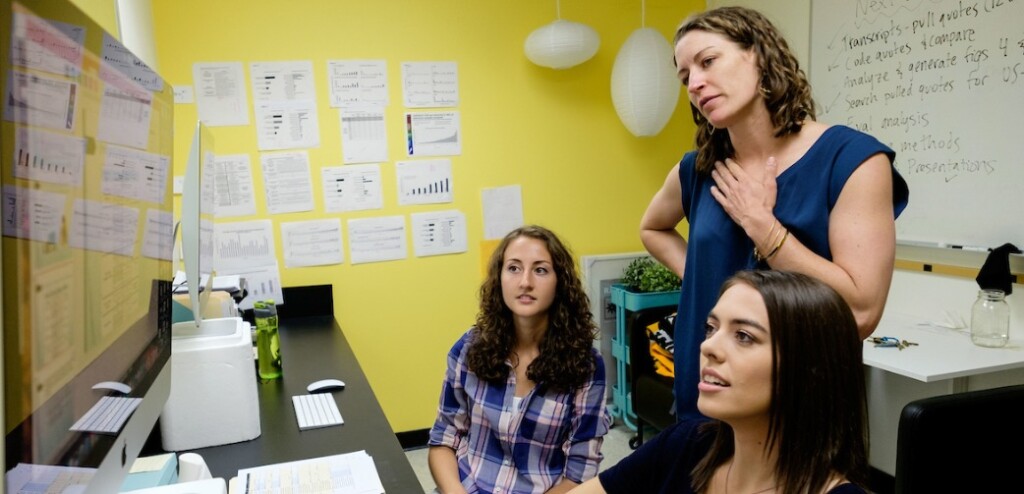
[(963, 442)]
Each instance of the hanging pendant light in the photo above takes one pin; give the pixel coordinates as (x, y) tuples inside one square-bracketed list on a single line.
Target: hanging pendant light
[(561, 44), (644, 85)]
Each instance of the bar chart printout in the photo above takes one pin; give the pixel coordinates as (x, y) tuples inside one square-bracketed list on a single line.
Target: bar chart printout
[(424, 181), (250, 248), (49, 156), (244, 244), (262, 283), (351, 187), (439, 232), (246, 249)]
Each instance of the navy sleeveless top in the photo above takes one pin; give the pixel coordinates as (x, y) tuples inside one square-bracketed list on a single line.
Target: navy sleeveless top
[(717, 247)]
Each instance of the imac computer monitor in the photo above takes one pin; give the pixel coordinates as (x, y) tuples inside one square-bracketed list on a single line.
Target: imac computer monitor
[(197, 219), (87, 218)]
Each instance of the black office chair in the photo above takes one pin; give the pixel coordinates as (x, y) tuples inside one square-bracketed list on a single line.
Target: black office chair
[(963, 442)]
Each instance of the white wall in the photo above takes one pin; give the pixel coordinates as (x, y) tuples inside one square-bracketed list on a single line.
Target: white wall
[(135, 23), (792, 17)]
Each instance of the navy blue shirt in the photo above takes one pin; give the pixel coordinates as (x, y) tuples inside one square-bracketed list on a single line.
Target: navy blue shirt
[(717, 247), (663, 464)]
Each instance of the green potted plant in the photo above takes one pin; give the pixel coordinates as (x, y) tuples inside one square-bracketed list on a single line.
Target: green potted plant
[(646, 283), (646, 275)]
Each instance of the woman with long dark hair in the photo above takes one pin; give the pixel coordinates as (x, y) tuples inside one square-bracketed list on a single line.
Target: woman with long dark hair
[(783, 384)]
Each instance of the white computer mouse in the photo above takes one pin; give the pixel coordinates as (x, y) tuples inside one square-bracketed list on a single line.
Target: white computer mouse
[(325, 385), (113, 386)]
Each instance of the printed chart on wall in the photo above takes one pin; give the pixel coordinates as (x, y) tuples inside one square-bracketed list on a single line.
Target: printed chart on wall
[(424, 181), (942, 83), (433, 134), (246, 249)]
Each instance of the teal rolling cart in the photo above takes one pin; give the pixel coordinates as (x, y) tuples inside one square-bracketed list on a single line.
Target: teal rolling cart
[(626, 301)]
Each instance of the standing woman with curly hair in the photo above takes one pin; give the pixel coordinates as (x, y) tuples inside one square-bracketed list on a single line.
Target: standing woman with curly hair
[(768, 186), (522, 406)]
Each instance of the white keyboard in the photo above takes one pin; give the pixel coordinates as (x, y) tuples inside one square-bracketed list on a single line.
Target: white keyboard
[(316, 410), (108, 415)]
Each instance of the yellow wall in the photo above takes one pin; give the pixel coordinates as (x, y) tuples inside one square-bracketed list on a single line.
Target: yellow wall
[(104, 12), (555, 133)]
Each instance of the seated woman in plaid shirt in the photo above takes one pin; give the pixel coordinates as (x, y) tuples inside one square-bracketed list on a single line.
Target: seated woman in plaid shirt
[(522, 408)]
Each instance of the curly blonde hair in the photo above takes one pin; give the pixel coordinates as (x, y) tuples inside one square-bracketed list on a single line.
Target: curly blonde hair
[(565, 359), (784, 86)]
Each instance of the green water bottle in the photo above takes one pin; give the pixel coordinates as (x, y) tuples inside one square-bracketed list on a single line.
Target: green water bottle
[(268, 344)]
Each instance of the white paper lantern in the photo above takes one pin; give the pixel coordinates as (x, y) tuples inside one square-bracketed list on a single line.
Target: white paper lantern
[(562, 44), (645, 89)]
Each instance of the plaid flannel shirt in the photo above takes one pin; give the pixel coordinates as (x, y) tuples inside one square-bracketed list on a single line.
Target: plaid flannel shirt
[(501, 449)]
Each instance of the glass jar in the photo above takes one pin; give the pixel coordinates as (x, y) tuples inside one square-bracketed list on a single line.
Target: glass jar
[(990, 319)]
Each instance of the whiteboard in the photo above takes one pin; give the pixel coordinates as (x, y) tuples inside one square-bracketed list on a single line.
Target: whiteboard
[(942, 83)]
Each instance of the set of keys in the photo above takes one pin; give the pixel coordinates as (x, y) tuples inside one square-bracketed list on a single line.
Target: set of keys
[(890, 342)]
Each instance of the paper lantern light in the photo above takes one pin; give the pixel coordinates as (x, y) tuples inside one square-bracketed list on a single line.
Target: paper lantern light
[(644, 85), (562, 44)]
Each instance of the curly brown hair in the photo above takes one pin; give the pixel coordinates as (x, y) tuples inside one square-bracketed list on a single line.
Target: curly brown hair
[(784, 86), (565, 361)]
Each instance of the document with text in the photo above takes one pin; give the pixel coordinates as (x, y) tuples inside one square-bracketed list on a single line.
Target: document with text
[(349, 473)]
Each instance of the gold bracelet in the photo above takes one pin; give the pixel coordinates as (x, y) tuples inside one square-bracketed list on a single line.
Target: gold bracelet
[(777, 247), (757, 253), (771, 230)]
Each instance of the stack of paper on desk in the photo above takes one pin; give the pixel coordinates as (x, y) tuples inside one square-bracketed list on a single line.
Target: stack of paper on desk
[(350, 473), (25, 477), (231, 283)]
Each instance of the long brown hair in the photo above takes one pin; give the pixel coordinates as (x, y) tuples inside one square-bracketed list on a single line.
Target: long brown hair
[(818, 412), (784, 86), (566, 360)]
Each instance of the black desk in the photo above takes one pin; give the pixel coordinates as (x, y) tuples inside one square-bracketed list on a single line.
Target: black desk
[(314, 348)]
